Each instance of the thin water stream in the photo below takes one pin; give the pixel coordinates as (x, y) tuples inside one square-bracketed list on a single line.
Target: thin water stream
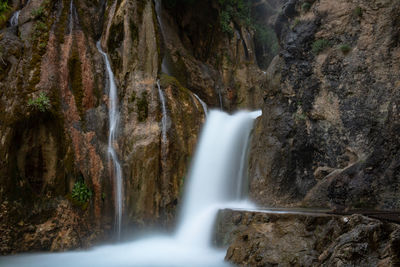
[(113, 115), (203, 104)]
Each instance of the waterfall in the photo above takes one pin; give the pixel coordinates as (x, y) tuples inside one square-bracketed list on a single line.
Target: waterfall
[(215, 174), (113, 115), (14, 18), (164, 119), (203, 104), (73, 16), (165, 67), (214, 180)]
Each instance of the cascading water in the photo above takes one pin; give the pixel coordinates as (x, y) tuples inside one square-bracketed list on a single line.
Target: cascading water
[(14, 18), (113, 126), (164, 119), (215, 175), (220, 99), (203, 104), (71, 17)]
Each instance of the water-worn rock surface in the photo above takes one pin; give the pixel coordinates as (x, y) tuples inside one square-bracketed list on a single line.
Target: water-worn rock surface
[(329, 134), (307, 239)]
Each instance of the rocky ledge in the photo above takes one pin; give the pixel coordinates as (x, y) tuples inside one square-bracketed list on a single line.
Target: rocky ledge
[(293, 238)]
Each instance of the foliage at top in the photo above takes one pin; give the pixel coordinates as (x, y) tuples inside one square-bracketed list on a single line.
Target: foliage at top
[(41, 103), (234, 10), (4, 7)]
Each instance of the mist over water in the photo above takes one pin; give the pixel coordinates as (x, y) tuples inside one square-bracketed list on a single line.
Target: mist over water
[(214, 182)]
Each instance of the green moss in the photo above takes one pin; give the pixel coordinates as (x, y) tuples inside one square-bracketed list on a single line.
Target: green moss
[(358, 11), (306, 6), (62, 22), (345, 48), (75, 74), (166, 80), (142, 107), (132, 98), (4, 8), (320, 45), (40, 37)]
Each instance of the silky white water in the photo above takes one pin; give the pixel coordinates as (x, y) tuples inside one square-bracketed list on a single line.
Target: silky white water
[(113, 115), (164, 119), (14, 18), (212, 185)]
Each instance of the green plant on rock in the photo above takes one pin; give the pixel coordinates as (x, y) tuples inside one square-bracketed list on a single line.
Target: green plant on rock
[(81, 193), (39, 12), (306, 6), (345, 48), (41, 103), (4, 8), (320, 45), (238, 10), (358, 11)]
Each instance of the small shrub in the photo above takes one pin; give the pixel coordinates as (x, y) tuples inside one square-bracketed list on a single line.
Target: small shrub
[(39, 12), (224, 21), (42, 45), (40, 26), (41, 103), (266, 37), (4, 8), (358, 11), (81, 193), (306, 6), (345, 48), (320, 45)]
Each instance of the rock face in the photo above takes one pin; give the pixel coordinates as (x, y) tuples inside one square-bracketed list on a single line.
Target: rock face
[(54, 111), (328, 136), (270, 239)]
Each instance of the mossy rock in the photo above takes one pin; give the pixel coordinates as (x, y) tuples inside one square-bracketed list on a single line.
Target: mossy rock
[(166, 80), (143, 107)]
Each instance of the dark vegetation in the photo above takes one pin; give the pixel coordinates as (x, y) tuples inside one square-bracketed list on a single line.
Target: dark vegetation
[(4, 9)]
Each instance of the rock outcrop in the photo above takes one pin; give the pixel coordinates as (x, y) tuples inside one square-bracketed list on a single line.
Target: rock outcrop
[(307, 239), (328, 136)]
